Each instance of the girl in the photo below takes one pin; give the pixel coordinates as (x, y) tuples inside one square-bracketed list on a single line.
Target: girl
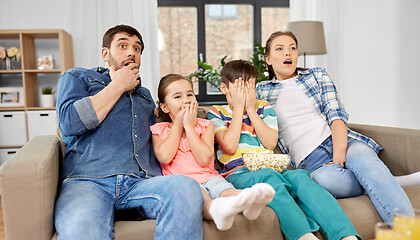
[(312, 128), (184, 144)]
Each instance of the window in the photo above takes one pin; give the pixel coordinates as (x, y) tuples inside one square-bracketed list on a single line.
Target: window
[(209, 30), (219, 11)]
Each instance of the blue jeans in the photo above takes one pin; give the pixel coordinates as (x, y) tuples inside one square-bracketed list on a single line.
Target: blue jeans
[(364, 173), (85, 207)]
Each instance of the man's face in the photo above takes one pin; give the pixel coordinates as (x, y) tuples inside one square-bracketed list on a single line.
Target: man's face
[(124, 50)]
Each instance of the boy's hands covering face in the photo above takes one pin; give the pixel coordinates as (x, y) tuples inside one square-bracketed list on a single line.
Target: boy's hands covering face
[(250, 95), (237, 94)]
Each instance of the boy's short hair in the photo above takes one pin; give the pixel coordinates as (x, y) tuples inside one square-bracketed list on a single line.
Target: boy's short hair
[(236, 69), (110, 33)]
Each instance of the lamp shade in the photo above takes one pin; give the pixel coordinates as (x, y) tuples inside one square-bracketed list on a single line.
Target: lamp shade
[(310, 36)]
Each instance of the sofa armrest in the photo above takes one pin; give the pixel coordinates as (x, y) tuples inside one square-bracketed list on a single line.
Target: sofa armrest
[(28, 182), (401, 146)]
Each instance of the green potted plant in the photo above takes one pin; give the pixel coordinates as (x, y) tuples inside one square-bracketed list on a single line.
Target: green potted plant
[(211, 75), (47, 97)]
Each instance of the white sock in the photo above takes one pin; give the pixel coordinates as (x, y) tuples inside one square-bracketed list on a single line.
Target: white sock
[(224, 209), (409, 180), (352, 237), (308, 236), (264, 194)]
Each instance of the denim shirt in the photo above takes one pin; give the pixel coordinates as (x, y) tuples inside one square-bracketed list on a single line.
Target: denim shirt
[(121, 144), (321, 91)]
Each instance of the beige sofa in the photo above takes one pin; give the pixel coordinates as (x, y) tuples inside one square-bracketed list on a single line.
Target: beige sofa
[(29, 187)]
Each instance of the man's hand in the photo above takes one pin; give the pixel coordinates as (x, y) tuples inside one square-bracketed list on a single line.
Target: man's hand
[(250, 95), (125, 77)]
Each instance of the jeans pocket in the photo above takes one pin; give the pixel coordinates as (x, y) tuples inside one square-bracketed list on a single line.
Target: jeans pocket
[(327, 146)]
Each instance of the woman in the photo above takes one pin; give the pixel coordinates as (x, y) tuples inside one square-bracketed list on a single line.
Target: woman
[(312, 129)]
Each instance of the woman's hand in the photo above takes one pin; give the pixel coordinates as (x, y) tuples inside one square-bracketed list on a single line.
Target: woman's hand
[(340, 162)]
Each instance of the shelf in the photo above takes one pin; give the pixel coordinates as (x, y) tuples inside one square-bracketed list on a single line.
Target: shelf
[(42, 71), (12, 108), (10, 71), (3, 147), (40, 108), (30, 71), (32, 44)]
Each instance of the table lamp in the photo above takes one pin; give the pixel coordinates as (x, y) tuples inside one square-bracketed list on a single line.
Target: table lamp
[(310, 36)]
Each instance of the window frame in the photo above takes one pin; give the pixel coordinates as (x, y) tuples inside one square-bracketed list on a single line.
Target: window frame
[(202, 97)]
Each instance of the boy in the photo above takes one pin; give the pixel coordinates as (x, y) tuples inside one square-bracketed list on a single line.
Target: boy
[(246, 124)]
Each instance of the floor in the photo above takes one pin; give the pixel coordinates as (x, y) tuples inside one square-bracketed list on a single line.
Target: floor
[(2, 237)]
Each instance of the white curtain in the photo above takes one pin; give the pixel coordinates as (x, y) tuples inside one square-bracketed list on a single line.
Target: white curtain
[(328, 12), (87, 21), (372, 56)]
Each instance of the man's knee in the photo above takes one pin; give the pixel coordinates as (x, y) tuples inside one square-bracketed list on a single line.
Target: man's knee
[(78, 226), (185, 187)]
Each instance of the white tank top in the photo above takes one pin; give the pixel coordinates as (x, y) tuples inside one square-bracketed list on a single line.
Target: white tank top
[(300, 125)]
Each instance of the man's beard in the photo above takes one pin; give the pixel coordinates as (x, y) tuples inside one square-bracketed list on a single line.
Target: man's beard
[(112, 61)]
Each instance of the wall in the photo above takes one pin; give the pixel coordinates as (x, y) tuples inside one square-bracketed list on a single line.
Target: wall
[(373, 47), (87, 21), (373, 53)]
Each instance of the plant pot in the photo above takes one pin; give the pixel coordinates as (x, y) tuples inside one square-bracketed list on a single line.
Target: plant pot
[(46, 100)]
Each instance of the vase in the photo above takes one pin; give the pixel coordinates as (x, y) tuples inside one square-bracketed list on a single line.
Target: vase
[(8, 64), (46, 100), (15, 63), (3, 64)]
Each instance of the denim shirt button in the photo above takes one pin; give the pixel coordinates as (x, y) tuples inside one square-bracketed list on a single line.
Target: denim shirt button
[(135, 135), (135, 115)]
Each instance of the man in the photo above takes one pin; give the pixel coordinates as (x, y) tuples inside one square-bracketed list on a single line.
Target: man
[(105, 115)]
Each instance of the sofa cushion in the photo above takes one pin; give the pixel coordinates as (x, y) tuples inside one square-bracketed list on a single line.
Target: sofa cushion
[(363, 214)]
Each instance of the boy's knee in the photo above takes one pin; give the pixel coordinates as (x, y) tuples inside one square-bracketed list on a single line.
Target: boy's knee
[(296, 174)]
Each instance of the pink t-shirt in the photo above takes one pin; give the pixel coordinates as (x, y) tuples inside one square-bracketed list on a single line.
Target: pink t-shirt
[(184, 162)]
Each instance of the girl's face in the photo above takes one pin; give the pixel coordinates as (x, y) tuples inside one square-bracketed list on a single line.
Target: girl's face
[(283, 57), (178, 93)]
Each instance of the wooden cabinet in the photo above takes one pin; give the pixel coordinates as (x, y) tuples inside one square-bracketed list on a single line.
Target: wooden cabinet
[(24, 76)]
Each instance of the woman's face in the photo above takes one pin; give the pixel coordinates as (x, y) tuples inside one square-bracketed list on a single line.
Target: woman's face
[(283, 57)]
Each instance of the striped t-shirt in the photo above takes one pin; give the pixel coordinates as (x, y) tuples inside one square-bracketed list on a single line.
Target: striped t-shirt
[(221, 116)]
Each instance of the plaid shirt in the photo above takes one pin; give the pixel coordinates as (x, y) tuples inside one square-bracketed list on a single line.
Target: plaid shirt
[(321, 91)]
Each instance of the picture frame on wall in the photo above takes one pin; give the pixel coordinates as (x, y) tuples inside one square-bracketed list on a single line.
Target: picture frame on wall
[(11, 97)]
